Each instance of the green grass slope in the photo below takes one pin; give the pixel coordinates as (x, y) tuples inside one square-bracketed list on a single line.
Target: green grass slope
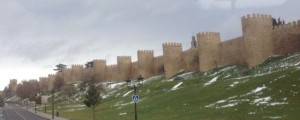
[(268, 91)]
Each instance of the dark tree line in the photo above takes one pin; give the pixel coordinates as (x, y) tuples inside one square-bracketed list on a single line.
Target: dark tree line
[(277, 22), (28, 89)]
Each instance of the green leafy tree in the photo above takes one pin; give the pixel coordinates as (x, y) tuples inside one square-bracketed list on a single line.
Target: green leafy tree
[(70, 90), (93, 97), (1, 101), (58, 82)]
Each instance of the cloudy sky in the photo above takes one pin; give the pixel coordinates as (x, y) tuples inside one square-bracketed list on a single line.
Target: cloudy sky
[(35, 35)]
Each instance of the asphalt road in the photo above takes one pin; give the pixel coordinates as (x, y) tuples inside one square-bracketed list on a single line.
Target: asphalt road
[(14, 112), (1, 114)]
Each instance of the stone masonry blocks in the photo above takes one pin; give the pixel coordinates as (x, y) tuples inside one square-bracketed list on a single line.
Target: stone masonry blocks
[(257, 31), (100, 69), (145, 63), (209, 50), (173, 61), (124, 67), (77, 72)]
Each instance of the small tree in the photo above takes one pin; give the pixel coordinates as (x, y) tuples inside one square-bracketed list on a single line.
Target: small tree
[(1, 101), (58, 82), (70, 90), (93, 97)]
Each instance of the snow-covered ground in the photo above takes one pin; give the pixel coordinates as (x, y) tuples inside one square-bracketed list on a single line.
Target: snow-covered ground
[(211, 81), (127, 93), (176, 86)]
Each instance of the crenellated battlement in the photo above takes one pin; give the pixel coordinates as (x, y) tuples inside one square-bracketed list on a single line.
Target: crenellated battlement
[(123, 57), (257, 16), (51, 75), (67, 69), (76, 66), (145, 51), (287, 27), (208, 34), (233, 39), (172, 44), (99, 60), (112, 66), (258, 42), (43, 78)]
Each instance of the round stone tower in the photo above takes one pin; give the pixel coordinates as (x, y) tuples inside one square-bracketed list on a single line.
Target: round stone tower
[(145, 63), (100, 69), (257, 31), (209, 50), (124, 67), (173, 61)]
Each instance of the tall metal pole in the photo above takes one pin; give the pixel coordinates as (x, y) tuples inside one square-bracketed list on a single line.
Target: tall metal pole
[(53, 105), (135, 110), (35, 107)]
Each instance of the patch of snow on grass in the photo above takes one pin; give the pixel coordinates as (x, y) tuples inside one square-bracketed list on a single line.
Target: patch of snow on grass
[(290, 57), (251, 113), (273, 117), (221, 101), (242, 77), (176, 86), (227, 68), (122, 114), (229, 105), (227, 76), (71, 110), (233, 84), (258, 89), (127, 93), (278, 103), (261, 101), (112, 86), (153, 78), (186, 74), (211, 81)]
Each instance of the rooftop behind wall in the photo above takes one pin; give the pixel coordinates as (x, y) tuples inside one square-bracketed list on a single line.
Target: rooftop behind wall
[(286, 38), (232, 52)]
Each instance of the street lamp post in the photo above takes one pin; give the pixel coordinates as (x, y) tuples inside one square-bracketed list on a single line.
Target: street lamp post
[(35, 104), (52, 100), (59, 68), (134, 85)]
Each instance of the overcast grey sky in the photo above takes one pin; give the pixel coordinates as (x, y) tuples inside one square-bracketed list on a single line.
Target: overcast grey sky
[(35, 35)]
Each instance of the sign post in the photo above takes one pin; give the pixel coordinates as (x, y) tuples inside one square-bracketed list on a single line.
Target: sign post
[(44, 100), (135, 98)]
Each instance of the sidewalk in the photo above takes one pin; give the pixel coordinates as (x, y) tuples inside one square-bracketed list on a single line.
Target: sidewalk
[(47, 116)]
